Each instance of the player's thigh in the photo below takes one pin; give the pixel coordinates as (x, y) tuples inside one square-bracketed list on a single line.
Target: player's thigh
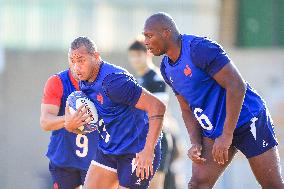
[(206, 174), (266, 168), (158, 181), (99, 177), (64, 178)]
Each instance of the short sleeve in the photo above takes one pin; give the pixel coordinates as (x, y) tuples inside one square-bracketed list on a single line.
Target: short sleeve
[(122, 88), (163, 73), (208, 55), (53, 91)]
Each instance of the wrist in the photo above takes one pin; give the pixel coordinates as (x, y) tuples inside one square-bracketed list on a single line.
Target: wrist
[(149, 147), (196, 144), (68, 127), (227, 133)]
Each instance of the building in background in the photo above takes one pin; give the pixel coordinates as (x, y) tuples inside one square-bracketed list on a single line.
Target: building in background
[(51, 24)]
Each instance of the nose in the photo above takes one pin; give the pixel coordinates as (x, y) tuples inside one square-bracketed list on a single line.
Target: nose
[(146, 41), (77, 67)]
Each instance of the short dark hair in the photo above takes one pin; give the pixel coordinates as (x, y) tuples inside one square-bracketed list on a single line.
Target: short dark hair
[(84, 41), (138, 45)]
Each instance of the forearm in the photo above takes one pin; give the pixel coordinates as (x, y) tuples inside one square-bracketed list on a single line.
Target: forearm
[(156, 115), (193, 128), (234, 100), (52, 122)]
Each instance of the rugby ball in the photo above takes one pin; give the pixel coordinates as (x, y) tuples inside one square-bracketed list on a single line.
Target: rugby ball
[(74, 101)]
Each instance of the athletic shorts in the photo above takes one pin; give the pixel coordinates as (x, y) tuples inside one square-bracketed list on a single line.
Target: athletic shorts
[(65, 177), (124, 166), (257, 136)]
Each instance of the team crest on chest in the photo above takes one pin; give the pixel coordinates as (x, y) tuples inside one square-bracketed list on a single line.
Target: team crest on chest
[(187, 71), (100, 98)]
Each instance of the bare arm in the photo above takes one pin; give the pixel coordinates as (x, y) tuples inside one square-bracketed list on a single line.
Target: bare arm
[(230, 79), (49, 120), (194, 131), (156, 110), (191, 124)]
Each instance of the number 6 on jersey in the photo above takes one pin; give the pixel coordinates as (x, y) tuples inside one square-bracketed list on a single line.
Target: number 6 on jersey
[(202, 117)]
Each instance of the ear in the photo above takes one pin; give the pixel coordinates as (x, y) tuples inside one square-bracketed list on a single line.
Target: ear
[(97, 56), (167, 33)]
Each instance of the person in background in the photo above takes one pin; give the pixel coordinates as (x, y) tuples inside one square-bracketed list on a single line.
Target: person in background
[(70, 154), (150, 79)]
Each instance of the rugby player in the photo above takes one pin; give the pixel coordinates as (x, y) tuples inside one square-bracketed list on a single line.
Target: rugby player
[(221, 111), (70, 154), (130, 121)]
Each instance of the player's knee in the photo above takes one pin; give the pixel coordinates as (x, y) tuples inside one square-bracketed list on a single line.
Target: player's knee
[(200, 182)]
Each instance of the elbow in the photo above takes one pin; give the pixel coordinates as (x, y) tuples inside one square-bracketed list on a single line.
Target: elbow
[(161, 107), (43, 124), (238, 88), (242, 88)]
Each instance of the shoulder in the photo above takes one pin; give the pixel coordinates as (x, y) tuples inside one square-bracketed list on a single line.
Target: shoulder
[(117, 77), (203, 50), (208, 55), (113, 68), (53, 81), (53, 90), (122, 88), (203, 45)]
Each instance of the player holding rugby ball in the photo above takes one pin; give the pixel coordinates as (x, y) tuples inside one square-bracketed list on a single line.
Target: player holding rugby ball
[(131, 121)]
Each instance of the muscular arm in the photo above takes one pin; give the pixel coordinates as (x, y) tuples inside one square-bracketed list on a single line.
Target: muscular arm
[(156, 110), (49, 120), (230, 79), (191, 124)]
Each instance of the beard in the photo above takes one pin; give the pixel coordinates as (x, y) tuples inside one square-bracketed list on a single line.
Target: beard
[(158, 52)]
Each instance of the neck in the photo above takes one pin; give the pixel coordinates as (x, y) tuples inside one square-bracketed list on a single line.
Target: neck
[(174, 49), (95, 72)]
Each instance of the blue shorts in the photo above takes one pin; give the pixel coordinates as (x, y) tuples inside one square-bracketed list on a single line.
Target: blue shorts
[(123, 165), (65, 177), (257, 136)]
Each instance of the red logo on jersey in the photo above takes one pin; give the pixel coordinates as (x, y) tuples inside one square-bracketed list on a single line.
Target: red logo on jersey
[(187, 71), (100, 98), (55, 186)]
